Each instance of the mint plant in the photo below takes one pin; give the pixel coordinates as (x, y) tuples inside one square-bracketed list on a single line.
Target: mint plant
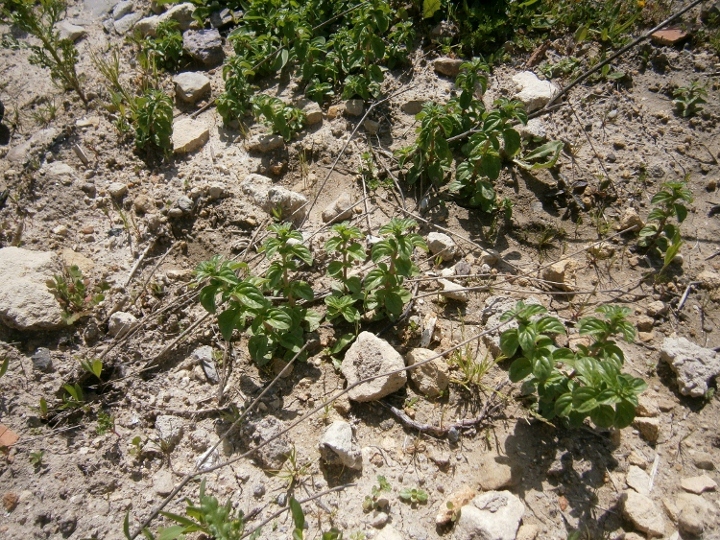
[(689, 99), (383, 285), (660, 235), (152, 117), (285, 120), (234, 102), (58, 55), (573, 385), (347, 290), (165, 50)]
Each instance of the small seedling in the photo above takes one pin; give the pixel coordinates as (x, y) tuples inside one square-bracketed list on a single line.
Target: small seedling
[(414, 496), (4, 366), (36, 458), (135, 449), (73, 398), (105, 423), (689, 99), (73, 294), (371, 501), (93, 367), (292, 470)]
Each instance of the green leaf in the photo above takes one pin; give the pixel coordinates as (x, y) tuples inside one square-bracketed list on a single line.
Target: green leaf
[(509, 342), (393, 303), (258, 349), (549, 325), (171, 533), (543, 157), (603, 416), (542, 365), (563, 404), (520, 369), (512, 142), (313, 319), (344, 341), (126, 525), (584, 399), (297, 514), (624, 414), (207, 297), (228, 320), (279, 319), (526, 337), (430, 7), (250, 296), (4, 366)]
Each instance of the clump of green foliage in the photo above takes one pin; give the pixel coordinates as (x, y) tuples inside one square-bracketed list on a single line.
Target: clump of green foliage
[(414, 496), (689, 99), (147, 113), (660, 235), (74, 294), (283, 119), (573, 385), (493, 141), (58, 55), (370, 502), (165, 50)]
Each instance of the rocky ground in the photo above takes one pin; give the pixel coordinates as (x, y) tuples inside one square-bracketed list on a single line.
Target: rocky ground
[(169, 388)]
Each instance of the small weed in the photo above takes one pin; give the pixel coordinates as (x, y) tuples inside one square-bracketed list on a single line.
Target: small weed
[(689, 99), (414, 496), (93, 367), (105, 423), (74, 397), (74, 294), (371, 501), (45, 113), (165, 50), (135, 448), (293, 471), (4, 367), (58, 55), (283, 119), (36, 458)]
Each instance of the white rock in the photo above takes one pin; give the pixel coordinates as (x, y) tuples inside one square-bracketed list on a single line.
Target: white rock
[(562, 275), (453, 291), (630, 218), (147, 27), (265, 143), (354, 107), (370, 356), (534, 129), (339, 210), (60, 172), (698, 484), (649, 428), (313, 112), (120, 323), (643, 513), (493, 515), (430, 379), (428, 329), (272, 198), (189, 135), (117, 190), (389, 533), (533, 92), (695, 515), (68, 30), (440, 244), (695, 366), (25, 301), (191, 86), (337, 446), (182, 13), (121, 9), (638, 479), (447, 66), (169, 429), (163, 482), (125, 24)]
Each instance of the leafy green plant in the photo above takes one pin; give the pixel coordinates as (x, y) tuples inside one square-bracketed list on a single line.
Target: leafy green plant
[(347, 290), (689, 99), (209, 517), (660, 234), (234, 102), (165, 50), (58, 55), (383, 285), (74, 294), (283, 119), (371, 501), (414, 495), (573, 385), (36, 458), (93, 367), (299, 522), (74, 397), (152, 117), (272, 328)]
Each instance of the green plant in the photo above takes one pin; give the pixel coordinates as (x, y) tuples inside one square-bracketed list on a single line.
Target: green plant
[(45, 113), (74, 397), (4, 366), (272, 328), (292, 470), (165, 50), (689, 99), (660, 234), (74, 294), (573, 386), (414, 495), (152, 117), (383, 285), (58, 55), (209, 517), (105, 423), (93, 367), (135, 449), (36, 458), (371, 501), (283, 119), (347, 290), (299, 521)]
